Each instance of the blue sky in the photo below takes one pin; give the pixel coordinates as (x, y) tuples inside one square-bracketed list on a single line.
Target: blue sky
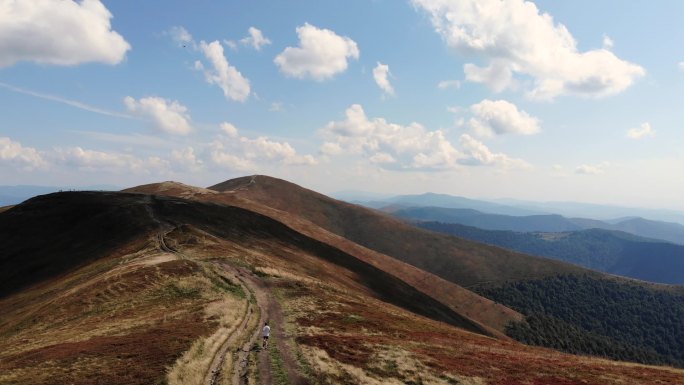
[(548, 100)]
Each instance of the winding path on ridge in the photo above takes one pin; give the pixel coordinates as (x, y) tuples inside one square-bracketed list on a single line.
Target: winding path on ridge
[(270, 310)]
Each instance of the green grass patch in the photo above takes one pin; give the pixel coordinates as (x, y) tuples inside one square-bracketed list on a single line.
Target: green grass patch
[(222, 283), (353, 318), (171, 290), (278, 371)]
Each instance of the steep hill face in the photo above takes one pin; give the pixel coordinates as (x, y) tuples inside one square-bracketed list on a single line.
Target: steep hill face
[(494, 317), (183, 300), (103, 221), (460, 261), (50, 234), (471, 264)]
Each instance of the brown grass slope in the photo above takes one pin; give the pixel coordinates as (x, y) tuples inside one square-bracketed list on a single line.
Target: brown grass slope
[(492, 316), (126, 316), (51, 234), (460, 261), (238, 224), (90, 298)]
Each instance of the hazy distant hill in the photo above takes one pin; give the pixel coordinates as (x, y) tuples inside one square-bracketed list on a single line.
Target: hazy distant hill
[(450, 201), (514, 207), (671, 232), (604, 250), (468, 217), (597, 211)]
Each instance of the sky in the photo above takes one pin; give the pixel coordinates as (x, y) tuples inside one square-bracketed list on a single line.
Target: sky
[(545, 101)]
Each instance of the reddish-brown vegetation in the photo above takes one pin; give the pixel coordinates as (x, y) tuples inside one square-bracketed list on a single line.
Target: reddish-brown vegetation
[(125, 315)]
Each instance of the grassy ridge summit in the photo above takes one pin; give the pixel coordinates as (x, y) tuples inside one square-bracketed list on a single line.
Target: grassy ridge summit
[(608, 251), (192, 282), (671, 232), (86, 317), (492, 316), (458, 260), (452, 258)]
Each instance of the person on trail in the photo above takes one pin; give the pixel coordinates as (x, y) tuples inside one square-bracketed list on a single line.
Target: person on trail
[(266, 333)]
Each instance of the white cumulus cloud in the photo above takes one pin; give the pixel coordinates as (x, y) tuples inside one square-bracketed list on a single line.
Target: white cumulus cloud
[(591, 169), (608, 43), (255, 39), (444, 84), (380, 74), (181, 36), (234, 85), (165, 115), (478, 154), (521, 43), (14, 154), (59, 33), (185, 159), (643, 131), (498, 117), (321, 54), (403, 147), (246, 154), (229, 129), (92, 160), (412, 147)]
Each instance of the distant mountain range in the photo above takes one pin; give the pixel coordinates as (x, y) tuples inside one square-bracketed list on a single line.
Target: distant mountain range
[(606, 213), (448, 201), (671, 232), (612, 252)]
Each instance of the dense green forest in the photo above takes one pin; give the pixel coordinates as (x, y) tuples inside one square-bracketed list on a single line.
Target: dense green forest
[(609, 251), (587, 315)]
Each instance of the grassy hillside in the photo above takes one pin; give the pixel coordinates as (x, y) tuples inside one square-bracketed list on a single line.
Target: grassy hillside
[(192, 289), (460, 261), (469, 263), (491, 315), (51, 234), (608, 251)]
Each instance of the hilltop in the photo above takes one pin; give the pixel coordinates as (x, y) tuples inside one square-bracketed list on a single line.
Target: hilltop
[(170, 283)]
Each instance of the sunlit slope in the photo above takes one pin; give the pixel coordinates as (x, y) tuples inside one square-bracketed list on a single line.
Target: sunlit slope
[(487, 313), (461, 261)]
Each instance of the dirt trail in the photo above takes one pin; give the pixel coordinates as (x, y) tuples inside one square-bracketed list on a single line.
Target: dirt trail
[(214, 372), (269, 309)]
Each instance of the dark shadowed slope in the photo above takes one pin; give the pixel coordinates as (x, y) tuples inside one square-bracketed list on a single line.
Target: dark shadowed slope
[(463, 262), (55, 233), (51, 234)]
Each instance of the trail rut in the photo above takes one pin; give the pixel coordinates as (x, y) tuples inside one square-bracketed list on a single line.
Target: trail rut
[(268, 309)]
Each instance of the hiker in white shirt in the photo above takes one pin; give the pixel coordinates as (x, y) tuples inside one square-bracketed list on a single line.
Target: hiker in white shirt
[(266, 333)]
